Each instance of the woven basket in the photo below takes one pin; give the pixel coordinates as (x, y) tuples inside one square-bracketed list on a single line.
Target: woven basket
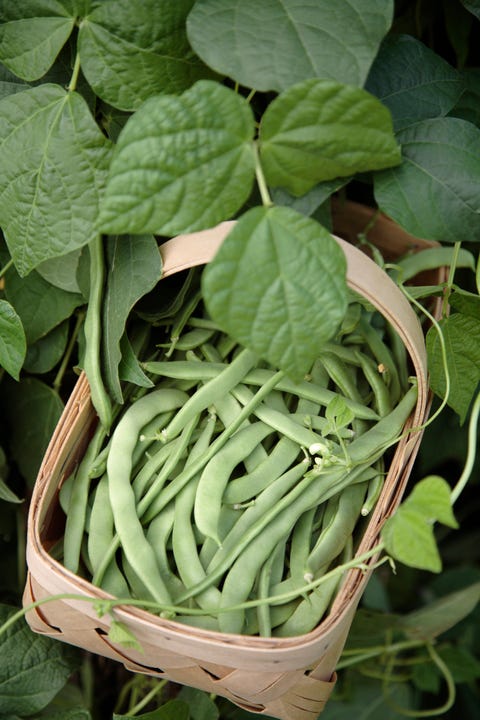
[(289, 678)]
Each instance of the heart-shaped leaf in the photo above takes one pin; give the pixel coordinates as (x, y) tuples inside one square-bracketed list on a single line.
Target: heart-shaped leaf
[(133, 49), (50, 192), (322, 130), (409, 538), (412, 81), (182, 163), (33, 33), (408, 535), (278, 285), (276, 43), (435, 192)]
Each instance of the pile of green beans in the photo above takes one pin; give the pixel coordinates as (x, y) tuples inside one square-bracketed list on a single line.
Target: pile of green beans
[(228, 482)]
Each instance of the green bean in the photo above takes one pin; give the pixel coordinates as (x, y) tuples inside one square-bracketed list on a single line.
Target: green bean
[(93, 334), (262, 537), (158, 532), (156, 504), (375, 378), (77, 506), (333, 537), (216, 475), (341, 376), (363, 451), (300, 543), (375, 486), (66, 490), (193, 339), (230, 376), (304, 389), (384, 357), (179, 447), (151, 505), (283, 424), (278, 461), (309, 611), (184, 545), (264, 580), (122, 497)]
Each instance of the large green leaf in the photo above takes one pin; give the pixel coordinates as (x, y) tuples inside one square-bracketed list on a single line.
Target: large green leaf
[(31, 411), (40, 305), (435, 192), (45, 353), (276, 43), (366, 699), (442, 614), (182, 163), (322, 130), (9, 83), (134, 269), (32, 668), (408, 535), (171, 710), (133, 49), (32, 33), (461, 333), (412, 81), (53, 160), (278, 286), (468, 105), (61, 271), (13, 344)]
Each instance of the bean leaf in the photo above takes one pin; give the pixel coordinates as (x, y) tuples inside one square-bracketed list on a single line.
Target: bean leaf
[(50, 194), (45, 353), (171, 710), (182, 163), (13, 344), (460, 332), (408, 535), (133, 49), (412, 81), (322, 130), (277, 43), (272, 266), (33, 669), (9, 83), (32, 410), (441, 614), (32, 33), (435, 192), (134, 269), (40, 305)]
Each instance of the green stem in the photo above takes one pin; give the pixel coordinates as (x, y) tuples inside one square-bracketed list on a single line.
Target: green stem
[(6, 267), (434, 712), (75, 73), (148, 697), (443, 349), (451, 274), (358, 655), (471, 452), (262, 183)]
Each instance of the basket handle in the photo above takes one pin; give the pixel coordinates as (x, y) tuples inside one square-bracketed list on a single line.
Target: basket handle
[(363, 275)]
